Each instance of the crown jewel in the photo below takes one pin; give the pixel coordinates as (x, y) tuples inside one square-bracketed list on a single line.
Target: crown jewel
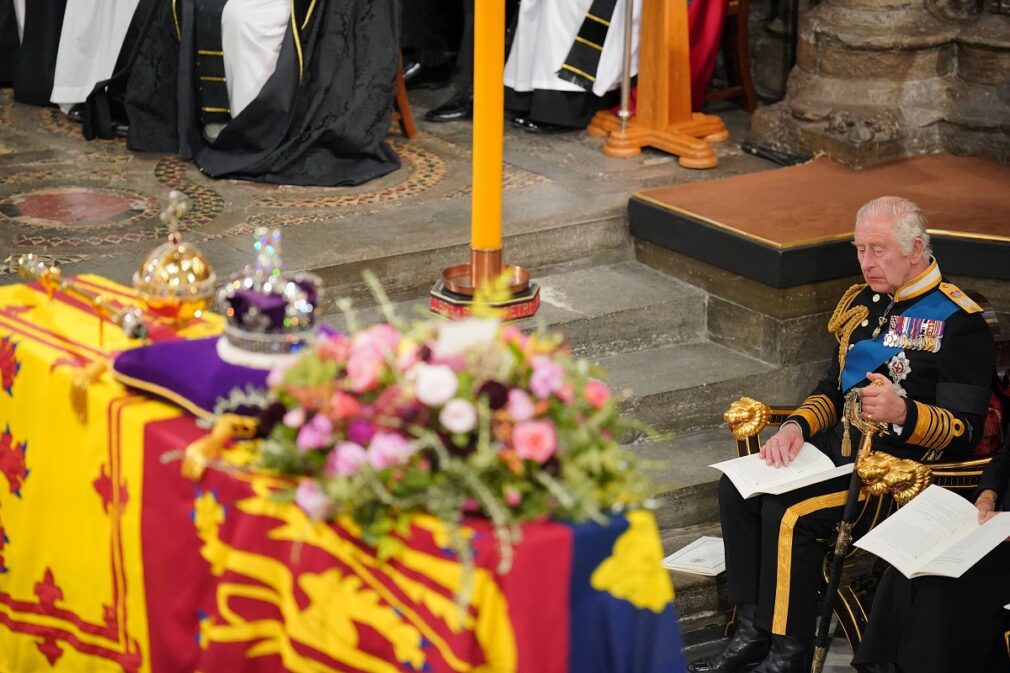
[(175, 281), (268, 310)]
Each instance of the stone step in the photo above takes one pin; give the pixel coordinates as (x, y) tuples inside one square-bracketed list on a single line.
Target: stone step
[(606, 309), (701, 602), (403, 266), (685, 387), (684, 484)]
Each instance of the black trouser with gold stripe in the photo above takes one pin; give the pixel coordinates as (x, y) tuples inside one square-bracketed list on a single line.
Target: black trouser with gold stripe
[(775, 548)]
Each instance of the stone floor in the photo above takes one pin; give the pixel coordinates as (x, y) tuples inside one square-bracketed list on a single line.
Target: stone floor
[(94, 205)]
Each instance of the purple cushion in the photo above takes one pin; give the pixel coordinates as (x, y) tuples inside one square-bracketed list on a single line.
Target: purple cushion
[(188, 373)]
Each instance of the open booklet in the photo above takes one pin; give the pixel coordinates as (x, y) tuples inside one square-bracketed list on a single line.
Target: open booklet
[(704, 556), (937, 533), (751, 475)]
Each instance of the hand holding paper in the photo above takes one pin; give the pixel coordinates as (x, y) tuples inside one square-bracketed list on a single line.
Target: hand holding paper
[(753, 475), (937, 533)]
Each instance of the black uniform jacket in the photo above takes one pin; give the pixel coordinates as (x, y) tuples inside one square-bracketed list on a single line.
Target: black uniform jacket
[(936, 348)]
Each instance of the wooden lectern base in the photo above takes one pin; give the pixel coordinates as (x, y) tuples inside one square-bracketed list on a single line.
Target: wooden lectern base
[(689, 140)]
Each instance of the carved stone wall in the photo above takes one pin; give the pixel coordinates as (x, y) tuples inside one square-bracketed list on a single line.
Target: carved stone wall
[(881, 79)]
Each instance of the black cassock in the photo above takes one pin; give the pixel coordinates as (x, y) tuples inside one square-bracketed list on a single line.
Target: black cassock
[(320, 119), (36, 65)]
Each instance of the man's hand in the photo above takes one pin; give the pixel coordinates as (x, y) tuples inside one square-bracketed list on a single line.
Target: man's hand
[(783, 446), (986, 505), (881, 403)]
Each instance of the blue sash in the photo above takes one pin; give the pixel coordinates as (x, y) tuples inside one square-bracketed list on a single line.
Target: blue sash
[(869, 354)]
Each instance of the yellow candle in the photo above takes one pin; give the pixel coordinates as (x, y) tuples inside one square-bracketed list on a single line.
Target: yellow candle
[(488, 123)]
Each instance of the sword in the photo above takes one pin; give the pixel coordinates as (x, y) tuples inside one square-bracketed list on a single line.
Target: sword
[(850, 416)]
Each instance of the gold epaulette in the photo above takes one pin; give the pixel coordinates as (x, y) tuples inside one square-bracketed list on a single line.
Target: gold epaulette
[(957, 295)]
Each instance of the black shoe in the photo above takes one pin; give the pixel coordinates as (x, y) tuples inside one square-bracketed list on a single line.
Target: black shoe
[(426, 77), (120, 129), (410, 69), (76, 113), (788, 654), (531, 126), (458, 108), (745, 649)]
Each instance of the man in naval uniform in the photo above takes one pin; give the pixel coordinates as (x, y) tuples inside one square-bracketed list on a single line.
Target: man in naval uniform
[(922, 356)]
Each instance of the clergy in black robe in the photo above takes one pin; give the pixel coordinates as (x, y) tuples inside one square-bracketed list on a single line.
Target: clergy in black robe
[(320, 118), (940, 624), (10, 43), (33, 77)]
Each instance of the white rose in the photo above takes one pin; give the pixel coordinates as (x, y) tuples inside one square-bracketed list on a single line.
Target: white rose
[(435, 384), (455, 338), (458, 416)]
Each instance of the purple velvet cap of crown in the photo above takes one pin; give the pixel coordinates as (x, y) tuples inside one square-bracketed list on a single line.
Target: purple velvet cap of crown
[(187, 372)]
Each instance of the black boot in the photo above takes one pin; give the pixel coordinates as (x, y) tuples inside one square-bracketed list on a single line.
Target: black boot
[(788, 654), (745, 649)]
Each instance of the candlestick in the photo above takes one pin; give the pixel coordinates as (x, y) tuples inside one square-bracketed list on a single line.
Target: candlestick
[(488, 124)]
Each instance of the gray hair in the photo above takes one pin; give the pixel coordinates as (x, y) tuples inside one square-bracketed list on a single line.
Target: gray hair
[(908, 222)]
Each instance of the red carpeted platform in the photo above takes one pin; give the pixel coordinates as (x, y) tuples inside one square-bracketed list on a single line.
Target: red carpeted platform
[(792, 226)]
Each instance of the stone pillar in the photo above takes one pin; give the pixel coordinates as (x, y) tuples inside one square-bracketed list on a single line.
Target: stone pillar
[(880, 79)]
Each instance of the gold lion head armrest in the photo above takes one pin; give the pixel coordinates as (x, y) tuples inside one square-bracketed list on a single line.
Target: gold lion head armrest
[(746, 417), (901, 478)]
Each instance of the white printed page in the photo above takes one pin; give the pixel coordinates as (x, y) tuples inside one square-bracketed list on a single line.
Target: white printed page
[(704, 556), (970, 549), (751, 475), (921, 530)]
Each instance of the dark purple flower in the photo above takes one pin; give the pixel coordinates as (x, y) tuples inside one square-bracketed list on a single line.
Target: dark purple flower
[(271, 416), (496, 393)]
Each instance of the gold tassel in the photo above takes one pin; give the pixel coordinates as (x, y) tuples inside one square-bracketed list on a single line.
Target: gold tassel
[(205, 449), (84, 377)]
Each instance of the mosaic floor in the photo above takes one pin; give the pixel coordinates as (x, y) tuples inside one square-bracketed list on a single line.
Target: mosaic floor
[(98, 203), (71, 199)]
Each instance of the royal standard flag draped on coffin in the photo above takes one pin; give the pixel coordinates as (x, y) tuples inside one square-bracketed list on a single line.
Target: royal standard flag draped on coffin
[(111, 561), (71, 582)]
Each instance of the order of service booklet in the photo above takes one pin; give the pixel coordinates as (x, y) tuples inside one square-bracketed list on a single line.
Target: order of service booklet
[(704, 556), (937, 533), (752, 476)]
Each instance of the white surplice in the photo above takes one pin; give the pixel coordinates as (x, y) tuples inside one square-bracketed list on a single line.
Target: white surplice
[(90, 41), (252, 32), (544, 35), (19, 18)]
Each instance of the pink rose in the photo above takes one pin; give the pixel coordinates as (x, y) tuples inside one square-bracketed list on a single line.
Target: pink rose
[(343, 405), (363, 369), (382, 338), (512, 334), (345, 459), (334, 348), (513, 498), (520, 406), (315, 434), (309, 496), (409, 354), (389, 448), (546, 378), (534, 440), (597, 393), (458, 416)]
